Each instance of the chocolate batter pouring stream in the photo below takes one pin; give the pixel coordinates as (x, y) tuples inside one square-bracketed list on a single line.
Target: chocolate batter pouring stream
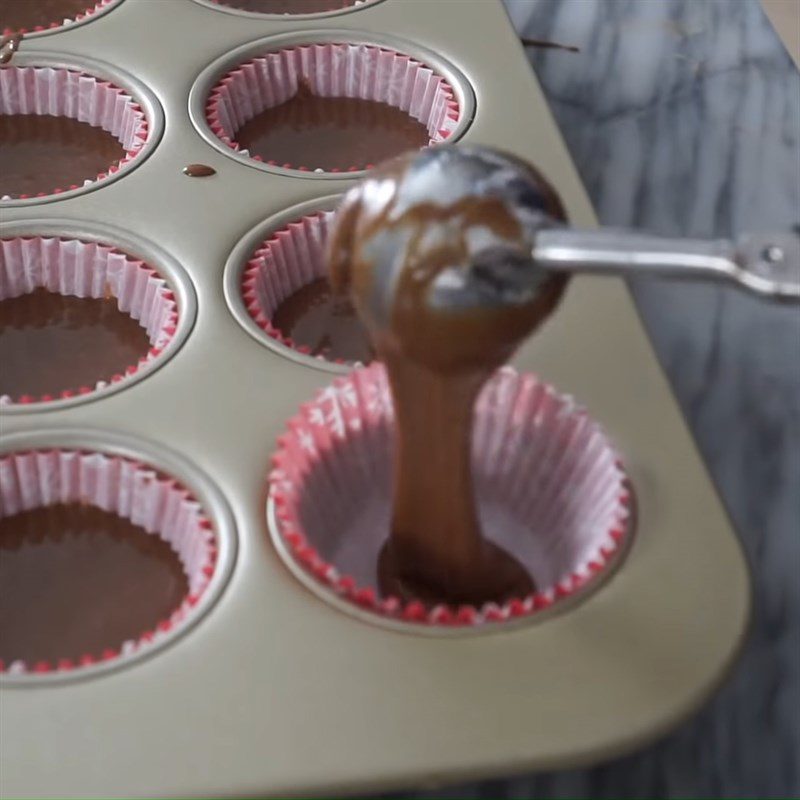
[(434, 249)]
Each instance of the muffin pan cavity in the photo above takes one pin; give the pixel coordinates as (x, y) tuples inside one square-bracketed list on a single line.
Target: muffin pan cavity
[(288, 9), (322, 104), (83, 314), (107, 553), (68, 126), (276, 285), (550, 488)]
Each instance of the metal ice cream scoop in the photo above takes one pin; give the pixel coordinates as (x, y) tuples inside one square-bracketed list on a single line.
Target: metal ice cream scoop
[(506, 270), (765, 264)]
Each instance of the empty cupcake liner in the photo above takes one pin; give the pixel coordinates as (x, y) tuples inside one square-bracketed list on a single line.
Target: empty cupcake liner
[(72, 267), (60, 92), (92, 8), (135, 491), (551, 491), (288, 260), (360, 71)]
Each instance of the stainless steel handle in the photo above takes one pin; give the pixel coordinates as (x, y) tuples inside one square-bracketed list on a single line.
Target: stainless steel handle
[(767, 264)]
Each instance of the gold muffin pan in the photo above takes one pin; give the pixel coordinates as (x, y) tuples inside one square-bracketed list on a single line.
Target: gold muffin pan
[(273, 691)]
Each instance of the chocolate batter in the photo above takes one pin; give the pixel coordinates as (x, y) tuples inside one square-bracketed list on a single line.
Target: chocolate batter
[(25, 15), (198, 171), (288, 6), (330, 132), (76, 580), (49, 342), (313, 316), (434, 250), (42, 153)]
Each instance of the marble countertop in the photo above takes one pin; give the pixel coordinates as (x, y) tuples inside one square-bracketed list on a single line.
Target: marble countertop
[(683, 117)]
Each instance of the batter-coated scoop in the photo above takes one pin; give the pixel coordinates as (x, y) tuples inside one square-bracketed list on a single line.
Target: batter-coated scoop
[(443, 238), (766, 264)]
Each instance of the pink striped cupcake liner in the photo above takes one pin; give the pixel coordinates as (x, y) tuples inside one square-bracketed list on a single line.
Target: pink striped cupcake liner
[(551, 490), (76, 268), (288, 260), (60, 92), (331, 69), (157, 503), (92, 8)]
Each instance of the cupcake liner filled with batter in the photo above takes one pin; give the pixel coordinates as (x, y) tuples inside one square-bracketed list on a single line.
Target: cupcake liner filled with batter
[(291, 7), (550, 487), (101, 558), (62, 129), (35, 16), (331, 107), (76, 317), (286, 292)]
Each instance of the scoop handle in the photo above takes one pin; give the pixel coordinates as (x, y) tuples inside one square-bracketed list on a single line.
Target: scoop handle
[(765, 264)]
